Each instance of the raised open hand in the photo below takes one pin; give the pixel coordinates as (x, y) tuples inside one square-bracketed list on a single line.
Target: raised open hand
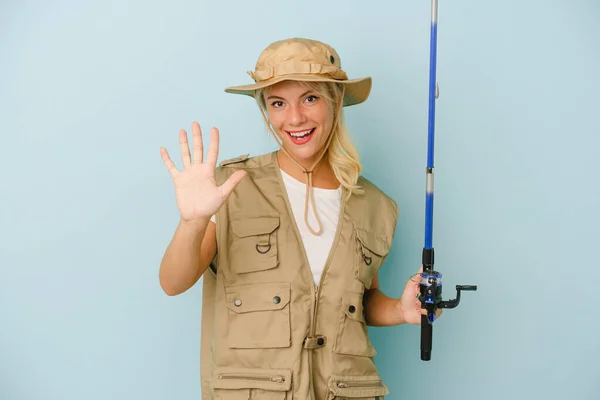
[(196, 191)]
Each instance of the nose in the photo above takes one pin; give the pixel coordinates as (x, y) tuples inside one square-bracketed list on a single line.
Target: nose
[(296, 115)]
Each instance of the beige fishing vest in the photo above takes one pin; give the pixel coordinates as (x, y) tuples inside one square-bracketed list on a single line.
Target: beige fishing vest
[(267, 332)]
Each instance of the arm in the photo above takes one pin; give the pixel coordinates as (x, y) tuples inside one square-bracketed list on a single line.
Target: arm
[(381, 310), (198, 196), (189, 254)]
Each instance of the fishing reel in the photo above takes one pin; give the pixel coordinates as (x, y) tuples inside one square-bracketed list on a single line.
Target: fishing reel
[(431, 300)]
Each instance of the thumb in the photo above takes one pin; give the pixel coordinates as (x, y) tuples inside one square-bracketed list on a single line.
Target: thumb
[(232, 182), (416, 277)]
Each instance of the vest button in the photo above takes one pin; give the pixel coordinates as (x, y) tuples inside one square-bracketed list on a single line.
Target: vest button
[(237, 302), (276, 299), (320, 341), (351, 309)]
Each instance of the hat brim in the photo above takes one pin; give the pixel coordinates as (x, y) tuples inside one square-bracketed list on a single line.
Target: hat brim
[(357, 90)]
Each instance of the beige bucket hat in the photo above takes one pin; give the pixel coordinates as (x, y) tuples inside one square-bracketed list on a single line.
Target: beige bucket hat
[(302, 59)]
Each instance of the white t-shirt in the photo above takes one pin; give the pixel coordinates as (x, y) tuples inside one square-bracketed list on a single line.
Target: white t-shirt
[(328, 203)]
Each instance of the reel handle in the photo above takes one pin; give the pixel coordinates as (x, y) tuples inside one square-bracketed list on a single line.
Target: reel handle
[(454, 303)]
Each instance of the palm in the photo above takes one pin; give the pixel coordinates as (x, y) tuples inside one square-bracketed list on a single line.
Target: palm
[(196, 191), (197, 182)]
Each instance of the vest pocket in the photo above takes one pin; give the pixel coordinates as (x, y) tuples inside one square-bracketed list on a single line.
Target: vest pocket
[(369, 387), (353, 338), (250, 383), (372, 250), (259, 315), (253, 246)]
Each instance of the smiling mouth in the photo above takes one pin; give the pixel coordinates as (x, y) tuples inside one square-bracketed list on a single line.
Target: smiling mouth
[(301, 137)]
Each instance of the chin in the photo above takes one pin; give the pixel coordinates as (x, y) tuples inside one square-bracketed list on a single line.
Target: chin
[(302, 154)]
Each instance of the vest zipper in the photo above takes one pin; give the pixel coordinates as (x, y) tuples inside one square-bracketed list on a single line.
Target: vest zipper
[(362, 384), (277, 379), (316, 291), (336, 239)]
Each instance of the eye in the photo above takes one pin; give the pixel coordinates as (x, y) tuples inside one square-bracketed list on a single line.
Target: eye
[(277, 104), (312, 98)]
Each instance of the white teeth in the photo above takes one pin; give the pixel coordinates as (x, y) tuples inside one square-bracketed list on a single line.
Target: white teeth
[(300, 134)]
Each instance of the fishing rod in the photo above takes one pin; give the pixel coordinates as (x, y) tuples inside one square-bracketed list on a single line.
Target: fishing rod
[(431, 283)]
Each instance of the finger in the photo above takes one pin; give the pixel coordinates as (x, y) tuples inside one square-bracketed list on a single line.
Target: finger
[(168, 162), (438, 312), (213, 148), (184, 148), (231, 183), (416, 278), (418, 301), (198, 145)]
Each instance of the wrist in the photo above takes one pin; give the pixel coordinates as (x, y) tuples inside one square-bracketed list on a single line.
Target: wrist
[(400, 311), (194, 225)]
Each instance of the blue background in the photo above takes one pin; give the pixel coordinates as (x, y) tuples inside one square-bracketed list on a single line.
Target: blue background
[(89, 91)]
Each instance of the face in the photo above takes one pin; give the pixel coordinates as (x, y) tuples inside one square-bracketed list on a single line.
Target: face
[(301, 118)]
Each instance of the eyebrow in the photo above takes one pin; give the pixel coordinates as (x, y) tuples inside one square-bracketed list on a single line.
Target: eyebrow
[(277, 97)]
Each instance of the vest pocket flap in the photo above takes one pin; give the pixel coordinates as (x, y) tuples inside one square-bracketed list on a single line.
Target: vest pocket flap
[(357, 386), (254, 226), (353, 307), (252, 378), (257, 297), (376, 243)]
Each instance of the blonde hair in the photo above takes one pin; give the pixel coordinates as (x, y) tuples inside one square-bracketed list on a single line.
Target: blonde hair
[(341, 153)]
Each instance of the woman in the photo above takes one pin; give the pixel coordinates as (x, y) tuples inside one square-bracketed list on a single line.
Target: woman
[(294, 240)]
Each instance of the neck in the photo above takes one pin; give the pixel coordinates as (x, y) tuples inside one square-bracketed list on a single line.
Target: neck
[(323, 176)]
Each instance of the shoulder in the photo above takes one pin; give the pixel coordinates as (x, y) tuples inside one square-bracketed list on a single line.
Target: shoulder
[(374, 215), (252, 164), (375, 196), (245, 161), (235, 160)]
